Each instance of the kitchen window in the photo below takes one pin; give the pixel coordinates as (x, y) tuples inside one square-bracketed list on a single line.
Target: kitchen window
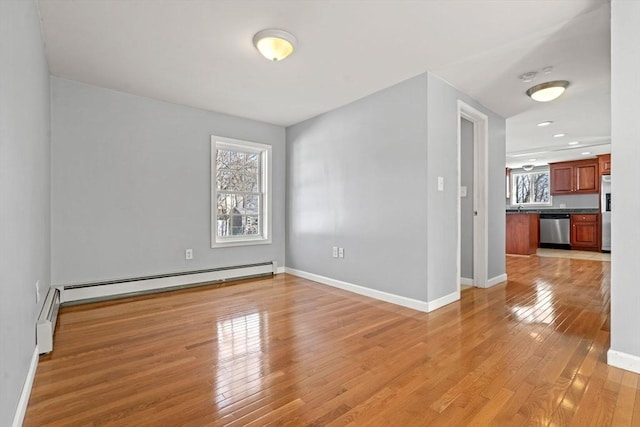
[(240, 192), (530, 188)]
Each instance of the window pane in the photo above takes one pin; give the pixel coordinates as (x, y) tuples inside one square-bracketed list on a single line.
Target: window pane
[(222, 205), (222, 159), (250, 183), (236, 204), (522, 188), (252, 205), (540, 187), (223, 179), (237, 225), (253, 224), (252, 162), (236, 159)]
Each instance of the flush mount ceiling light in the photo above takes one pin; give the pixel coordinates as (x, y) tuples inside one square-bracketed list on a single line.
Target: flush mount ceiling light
[(274, 44), (527, 168), (545, 92), (574, 143), (547, 123), (558, 135)]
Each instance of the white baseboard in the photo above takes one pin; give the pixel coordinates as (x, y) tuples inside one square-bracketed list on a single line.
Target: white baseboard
[(21, 410), (445, 300), (625, 361), (495, 280), (465, 281), (379, 295)]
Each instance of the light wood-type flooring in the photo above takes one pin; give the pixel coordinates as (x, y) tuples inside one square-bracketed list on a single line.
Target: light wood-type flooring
[(288, 351)]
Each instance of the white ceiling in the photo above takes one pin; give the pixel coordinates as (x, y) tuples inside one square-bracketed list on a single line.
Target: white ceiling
[(200, 53)]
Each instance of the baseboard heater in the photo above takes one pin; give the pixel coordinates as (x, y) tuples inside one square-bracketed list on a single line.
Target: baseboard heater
[(46, 325), (139, 285)]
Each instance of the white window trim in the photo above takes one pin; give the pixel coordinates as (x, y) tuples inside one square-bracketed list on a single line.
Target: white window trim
[(513, 187), (266, 213)]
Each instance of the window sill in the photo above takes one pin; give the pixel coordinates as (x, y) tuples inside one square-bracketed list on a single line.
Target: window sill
[(240, 242)]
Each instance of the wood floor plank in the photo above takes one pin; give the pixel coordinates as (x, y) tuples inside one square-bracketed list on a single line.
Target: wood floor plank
[(285, 351)]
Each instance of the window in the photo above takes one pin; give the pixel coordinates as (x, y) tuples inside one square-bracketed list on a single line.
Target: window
[(530, 188), (240, 192)]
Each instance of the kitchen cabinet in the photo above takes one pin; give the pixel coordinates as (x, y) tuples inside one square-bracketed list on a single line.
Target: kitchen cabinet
[(604, 164), (577, 177), (585, 232), (523, 233)]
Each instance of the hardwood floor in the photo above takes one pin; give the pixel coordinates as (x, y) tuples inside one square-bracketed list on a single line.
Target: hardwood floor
[(288, 351)]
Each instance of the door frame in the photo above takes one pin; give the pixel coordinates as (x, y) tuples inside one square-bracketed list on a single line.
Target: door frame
[(480, 123)]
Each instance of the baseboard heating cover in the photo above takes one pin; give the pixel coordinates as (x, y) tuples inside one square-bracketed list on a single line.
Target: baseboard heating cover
[(46, 324), (125, 287)]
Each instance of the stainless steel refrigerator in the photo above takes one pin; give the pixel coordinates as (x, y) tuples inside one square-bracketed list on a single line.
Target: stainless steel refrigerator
[(605, 207)]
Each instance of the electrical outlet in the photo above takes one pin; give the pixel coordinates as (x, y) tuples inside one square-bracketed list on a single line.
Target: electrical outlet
[(335, 252), (341, 252), (188, 254), (37, 291)]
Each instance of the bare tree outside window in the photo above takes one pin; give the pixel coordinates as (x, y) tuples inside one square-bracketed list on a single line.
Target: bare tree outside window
[(531, 188), (238, 193)]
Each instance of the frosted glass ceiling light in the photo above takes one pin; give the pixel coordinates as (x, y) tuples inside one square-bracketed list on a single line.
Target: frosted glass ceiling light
[(275, 45), (545, 92)]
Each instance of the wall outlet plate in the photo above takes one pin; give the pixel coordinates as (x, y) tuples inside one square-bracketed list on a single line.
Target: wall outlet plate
[(340, 252), (188, 254), (335, 252)]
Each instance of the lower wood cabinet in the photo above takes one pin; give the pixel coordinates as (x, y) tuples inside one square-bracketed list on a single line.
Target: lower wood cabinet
[(585, 232), (523, 231)]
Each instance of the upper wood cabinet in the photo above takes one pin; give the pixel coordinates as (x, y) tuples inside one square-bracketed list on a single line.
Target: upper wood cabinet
[(604, 163), (577, 177)]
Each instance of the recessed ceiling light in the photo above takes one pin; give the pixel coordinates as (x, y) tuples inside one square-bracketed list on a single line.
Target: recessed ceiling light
[(526, 154), (574, 143), (548, 91), (558, 135), (532, 160), (274, 44), (586, 153), (547, 123)]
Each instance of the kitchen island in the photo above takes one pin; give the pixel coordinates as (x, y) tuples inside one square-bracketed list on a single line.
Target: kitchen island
[(523, 233)]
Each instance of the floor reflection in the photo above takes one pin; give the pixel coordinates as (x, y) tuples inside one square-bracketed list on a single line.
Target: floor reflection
[(241, 342), (540, 310)]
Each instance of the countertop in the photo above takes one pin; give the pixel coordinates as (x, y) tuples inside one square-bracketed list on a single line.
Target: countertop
[(554, 211)]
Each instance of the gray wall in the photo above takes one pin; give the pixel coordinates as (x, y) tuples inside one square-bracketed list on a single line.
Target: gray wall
[(356, 179), (441, 161), (24, 193), (625, 156), (364, 177), (466, 203), (131, 185)]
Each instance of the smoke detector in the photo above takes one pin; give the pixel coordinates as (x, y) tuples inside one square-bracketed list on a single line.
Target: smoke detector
[(528, 77)]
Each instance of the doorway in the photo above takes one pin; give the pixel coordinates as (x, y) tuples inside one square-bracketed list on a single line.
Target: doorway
[(466, 202), (472, 200)]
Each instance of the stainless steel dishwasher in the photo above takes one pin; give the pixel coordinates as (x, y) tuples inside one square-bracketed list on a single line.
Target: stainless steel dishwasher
[(554, 230)]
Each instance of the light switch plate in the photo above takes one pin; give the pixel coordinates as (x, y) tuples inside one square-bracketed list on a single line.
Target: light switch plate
[(463, 191), (440, 183)]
